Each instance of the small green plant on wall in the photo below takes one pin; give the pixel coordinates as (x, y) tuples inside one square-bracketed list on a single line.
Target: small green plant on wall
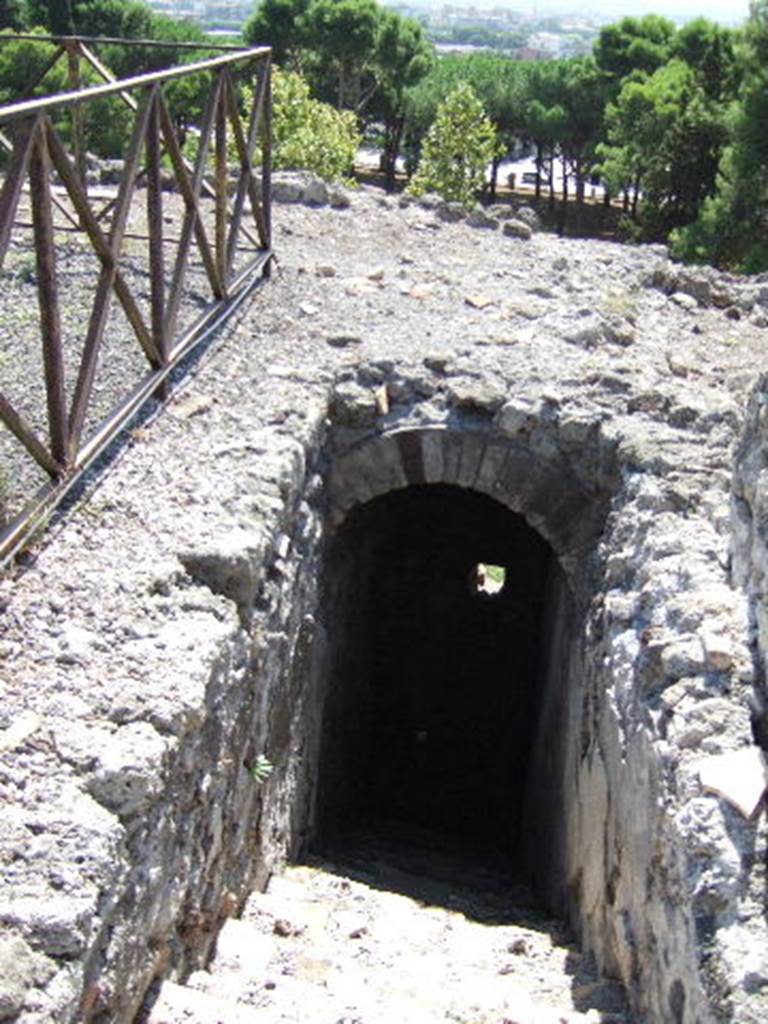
[(261, 769)]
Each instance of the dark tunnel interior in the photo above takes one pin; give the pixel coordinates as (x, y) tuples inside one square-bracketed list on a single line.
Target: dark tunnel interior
[(433, 682)]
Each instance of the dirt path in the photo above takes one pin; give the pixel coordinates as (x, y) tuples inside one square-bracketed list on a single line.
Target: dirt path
[(389, 930)]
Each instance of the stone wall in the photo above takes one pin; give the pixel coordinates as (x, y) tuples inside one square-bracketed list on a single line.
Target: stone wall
[(155, 826), (644, 736)]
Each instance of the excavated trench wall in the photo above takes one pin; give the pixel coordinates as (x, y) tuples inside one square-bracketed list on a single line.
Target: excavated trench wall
[(590, 784), (640, 817), (643, 694)]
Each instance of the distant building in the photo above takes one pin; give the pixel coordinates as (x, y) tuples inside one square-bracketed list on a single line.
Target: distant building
[(215, 14), (189, 9), (547, 44)]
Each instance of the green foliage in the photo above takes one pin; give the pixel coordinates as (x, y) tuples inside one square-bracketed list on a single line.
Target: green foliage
[(130, 19), (353, 53), (634, 44), (55, 15), (730, 230), (564, 113), (403, 56), (343, 33), (710, 50), (457, 150), (665, 137), (108, 120), (310, 135), (498, 82), (262, 768), (423, 99), (21, 62), (13, 14), (275, 23)]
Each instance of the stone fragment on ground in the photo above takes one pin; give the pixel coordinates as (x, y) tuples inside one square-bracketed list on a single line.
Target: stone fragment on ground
[(342, 944)]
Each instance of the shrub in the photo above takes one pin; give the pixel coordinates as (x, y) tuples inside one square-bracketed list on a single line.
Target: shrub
[(457, 149), (307, 134)]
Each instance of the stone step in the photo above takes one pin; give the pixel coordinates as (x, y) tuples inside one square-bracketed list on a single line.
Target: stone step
[(243, 949), (318, 947), (178, 1004)]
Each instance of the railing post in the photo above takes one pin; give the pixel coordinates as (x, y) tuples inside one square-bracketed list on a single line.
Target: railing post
[(221, 183), (48, 297), (213, 220), (266, 162), (155, 226), (78, 113)]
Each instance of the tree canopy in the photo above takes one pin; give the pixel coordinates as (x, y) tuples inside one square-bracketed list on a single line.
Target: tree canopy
[(634, 44), (730, 227), (276, 23), (308, 134), (671, 117), (665, 139)]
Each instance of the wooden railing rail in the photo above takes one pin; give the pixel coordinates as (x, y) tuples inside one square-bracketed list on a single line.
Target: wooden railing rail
[(224, 196)]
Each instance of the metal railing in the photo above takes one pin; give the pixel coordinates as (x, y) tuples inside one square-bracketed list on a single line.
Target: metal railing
[(223, 203)]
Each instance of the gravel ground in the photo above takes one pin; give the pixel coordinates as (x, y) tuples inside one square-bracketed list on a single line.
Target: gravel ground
[(122, 363), (481, 289), (91, 636), (401, 925)]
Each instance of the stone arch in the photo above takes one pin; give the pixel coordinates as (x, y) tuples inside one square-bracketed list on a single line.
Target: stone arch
[(559, 488), (559, 481)]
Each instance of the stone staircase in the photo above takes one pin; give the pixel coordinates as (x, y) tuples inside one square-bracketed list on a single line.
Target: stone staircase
[(381, 942)]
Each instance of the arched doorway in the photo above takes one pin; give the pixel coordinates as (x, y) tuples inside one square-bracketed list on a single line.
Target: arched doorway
[(435, 679)]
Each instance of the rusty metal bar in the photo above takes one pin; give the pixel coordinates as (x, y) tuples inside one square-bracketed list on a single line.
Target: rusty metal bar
[(14, 183), (40, 76), (191, 195), (221, 178), (128, 236), (78, 113), (27, 108), (47, 291), (37, 151), (266, 162), (106, 74), (24, 433), (13, 537), (155, 227), (108, 251), (244, 151), (192, 216), (104, 247), (246, 185)]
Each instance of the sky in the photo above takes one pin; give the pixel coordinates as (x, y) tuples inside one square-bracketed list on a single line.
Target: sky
[(718, 10), (728, 12)]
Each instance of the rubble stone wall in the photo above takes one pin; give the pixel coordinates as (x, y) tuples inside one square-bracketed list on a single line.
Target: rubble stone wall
[(165, 636), (645, 726)]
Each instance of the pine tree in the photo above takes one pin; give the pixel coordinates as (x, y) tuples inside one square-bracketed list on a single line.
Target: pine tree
[(731, 228)]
